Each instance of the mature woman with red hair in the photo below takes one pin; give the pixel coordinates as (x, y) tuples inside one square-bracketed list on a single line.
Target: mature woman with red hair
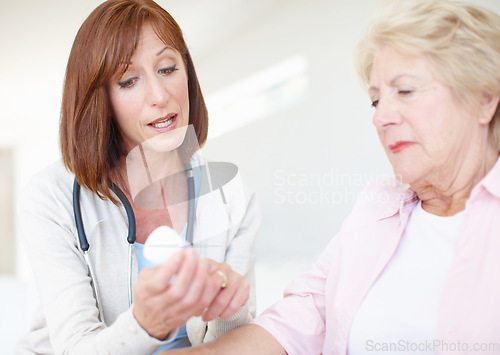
[(131, 90)]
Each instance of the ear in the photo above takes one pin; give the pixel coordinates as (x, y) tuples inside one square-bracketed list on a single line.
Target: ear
[(488, 108)]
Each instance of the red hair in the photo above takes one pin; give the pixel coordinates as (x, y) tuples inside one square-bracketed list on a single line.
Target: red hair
[(90, 141)]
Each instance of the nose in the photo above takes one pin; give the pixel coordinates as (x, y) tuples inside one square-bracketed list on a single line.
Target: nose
[(157, 92), (386, 114)]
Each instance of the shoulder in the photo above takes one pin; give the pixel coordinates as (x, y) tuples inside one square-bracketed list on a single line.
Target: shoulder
[(45, 207), (52, 184), (52, 176)]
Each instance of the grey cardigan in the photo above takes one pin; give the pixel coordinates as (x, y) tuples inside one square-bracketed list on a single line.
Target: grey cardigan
[(67, 320)]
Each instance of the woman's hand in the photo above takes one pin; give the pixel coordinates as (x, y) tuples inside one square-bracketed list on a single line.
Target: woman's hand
[(233, 293), (161, 306)]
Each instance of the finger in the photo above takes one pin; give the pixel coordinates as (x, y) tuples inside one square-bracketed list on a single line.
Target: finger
[(155, 280), (239, 299), (221, 270), (199, 296), (223, 278), (204, 287), (193, 301), (184, 277), (224, 295)]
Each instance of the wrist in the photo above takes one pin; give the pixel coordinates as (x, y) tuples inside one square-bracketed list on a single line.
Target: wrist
[(160, 333)]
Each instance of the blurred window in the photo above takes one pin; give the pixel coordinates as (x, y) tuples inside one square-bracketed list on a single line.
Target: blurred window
[(273, 89)]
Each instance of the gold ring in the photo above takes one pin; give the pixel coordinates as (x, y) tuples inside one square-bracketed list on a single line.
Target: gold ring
[(224, 278)]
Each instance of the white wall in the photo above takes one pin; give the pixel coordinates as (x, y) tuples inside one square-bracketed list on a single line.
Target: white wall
[(307, 162), (319, 152)]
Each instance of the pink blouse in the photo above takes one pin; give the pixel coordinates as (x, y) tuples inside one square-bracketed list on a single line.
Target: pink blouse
[(318, 307)]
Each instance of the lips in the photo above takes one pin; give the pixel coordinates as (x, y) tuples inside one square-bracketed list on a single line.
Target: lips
[(399, 146), (164, 122)]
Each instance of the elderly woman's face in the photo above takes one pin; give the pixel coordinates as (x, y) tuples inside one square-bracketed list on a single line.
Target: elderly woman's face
[(424, 129), (151, 98)]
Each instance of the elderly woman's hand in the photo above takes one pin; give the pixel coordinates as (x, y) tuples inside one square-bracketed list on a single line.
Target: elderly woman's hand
[(201, 287)]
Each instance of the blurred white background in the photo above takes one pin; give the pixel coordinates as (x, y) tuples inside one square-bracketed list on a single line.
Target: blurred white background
[(284, 105)]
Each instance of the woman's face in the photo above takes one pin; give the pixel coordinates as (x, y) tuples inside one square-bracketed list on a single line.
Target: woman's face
[(424, 129), (151, 98)]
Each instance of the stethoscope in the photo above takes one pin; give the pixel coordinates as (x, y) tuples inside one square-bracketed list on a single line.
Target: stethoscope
[(131, 237)]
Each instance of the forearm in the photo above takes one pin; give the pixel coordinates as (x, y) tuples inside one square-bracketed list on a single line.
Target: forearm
[(247, 340)]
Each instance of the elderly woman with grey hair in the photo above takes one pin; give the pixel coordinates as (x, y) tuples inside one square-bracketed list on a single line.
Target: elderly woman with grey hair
[(414, 268)]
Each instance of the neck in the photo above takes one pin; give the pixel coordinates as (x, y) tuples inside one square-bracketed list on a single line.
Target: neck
[(446, 194), (142, 168)]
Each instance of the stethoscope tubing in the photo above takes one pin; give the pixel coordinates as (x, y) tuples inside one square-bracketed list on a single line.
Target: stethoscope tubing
[(131, 236)]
